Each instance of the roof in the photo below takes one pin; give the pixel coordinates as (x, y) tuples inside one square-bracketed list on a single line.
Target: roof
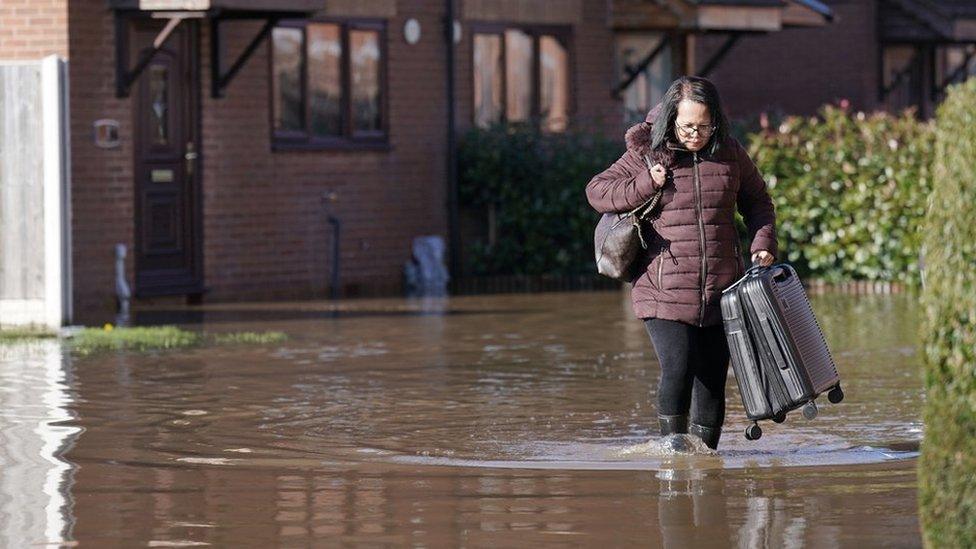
[(718, 15), (928, 20), (818, 7), (952, 8), (754, 3), (815, 6), (304, 6)]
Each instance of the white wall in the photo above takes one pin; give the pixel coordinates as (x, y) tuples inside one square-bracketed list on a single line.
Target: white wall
[(35, 281)]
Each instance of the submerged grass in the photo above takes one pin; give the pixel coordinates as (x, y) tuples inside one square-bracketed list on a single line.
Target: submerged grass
[(22, 334), (86, 341), (249, 337), (91, 340)]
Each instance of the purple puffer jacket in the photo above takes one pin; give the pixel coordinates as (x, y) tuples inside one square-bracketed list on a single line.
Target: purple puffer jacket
[(693, 252)]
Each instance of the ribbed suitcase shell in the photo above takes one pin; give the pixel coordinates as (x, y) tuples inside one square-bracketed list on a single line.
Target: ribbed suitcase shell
[(779, 355)]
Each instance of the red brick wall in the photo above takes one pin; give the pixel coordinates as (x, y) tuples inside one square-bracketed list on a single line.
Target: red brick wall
[(595, 77), (799, 69), (101, 179), (265, 229), (265, 232), (33, 29)]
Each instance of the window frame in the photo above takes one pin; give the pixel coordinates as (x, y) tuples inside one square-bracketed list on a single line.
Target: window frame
[(563, 33), (675, 62), (351, 139)]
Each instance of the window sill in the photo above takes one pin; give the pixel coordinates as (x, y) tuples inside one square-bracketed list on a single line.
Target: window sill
[(312, 146)]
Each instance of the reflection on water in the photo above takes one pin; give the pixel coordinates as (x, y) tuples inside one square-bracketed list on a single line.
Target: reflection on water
[(498, 420), (35, 501)]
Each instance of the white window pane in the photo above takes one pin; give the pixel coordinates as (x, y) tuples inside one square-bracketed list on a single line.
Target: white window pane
[(554, 83), (286, 81), (325, 79), (487, 79), (364, 48), (518, 75)]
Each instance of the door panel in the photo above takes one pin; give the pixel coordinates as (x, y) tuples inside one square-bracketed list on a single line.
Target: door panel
[(168, 236)]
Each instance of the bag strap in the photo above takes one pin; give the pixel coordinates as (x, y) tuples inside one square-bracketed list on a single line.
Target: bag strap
[(647, 206), (651, 202)]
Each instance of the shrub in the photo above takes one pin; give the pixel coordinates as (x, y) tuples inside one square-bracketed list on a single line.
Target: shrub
[(849, 188), (947, 467), (850, 191), (533, 181)]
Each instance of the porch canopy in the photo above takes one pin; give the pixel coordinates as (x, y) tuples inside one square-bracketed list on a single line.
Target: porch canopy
[(931, 21), (206, 5), (680, 18), (926, 25), (175, 12), (718, 15)]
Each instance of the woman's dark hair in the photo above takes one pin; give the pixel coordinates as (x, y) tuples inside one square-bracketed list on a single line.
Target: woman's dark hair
[(697, 89)]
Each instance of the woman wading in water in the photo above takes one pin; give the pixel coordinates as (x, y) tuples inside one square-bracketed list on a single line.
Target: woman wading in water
[(693, 251)]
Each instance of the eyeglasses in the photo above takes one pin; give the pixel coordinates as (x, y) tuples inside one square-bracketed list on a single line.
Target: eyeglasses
[(688, 129)]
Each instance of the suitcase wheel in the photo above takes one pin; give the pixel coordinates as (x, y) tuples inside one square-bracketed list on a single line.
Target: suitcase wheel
[(810, 410), (780, 417), (753, 432), (835, 395)]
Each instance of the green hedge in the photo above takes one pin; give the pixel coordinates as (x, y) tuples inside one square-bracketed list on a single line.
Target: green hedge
[(534, 183), (947, 468), (850, 191)]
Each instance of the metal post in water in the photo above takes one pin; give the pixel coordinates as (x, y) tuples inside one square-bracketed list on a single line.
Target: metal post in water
[(122, 292)]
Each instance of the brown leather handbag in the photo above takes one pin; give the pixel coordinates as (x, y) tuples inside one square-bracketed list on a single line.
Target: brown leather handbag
[(618, 236)]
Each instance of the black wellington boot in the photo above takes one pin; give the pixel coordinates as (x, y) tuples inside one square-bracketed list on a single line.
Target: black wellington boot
[(671, 425), (709, 435)]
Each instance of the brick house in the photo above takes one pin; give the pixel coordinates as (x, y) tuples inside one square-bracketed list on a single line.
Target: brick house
[(215, 138)]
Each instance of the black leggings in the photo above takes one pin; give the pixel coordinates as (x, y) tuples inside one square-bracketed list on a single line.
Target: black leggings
[(694, 368)]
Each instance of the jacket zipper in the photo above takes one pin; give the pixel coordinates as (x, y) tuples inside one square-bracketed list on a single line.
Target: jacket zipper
[(660, 265), (738, 256), (701, 235)]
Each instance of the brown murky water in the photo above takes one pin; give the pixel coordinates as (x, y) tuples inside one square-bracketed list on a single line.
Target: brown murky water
[(516, 421)]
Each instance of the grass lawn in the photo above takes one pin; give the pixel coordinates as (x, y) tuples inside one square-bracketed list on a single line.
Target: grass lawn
[(140, 339)]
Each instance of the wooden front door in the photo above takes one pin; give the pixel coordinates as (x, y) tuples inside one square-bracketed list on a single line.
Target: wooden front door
[(168, 215)]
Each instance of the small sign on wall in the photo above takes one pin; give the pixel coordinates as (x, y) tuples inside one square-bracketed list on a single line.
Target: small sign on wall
[(411, 31), (107, 133)]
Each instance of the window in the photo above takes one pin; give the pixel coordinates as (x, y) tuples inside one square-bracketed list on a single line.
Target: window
[(521, 74), (954, 63), (902, 84), (328, 84), (648, 87)]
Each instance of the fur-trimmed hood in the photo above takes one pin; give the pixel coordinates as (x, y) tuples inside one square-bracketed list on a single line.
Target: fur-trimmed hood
[(638, 136)]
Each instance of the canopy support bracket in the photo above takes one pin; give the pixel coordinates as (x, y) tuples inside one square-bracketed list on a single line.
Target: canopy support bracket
[(219, 80)]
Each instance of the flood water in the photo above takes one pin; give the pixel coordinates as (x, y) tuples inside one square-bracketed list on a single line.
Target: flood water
[(514, 420)]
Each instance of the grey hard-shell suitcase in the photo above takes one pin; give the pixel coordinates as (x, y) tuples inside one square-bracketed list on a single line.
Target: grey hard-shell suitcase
[(779, 355)]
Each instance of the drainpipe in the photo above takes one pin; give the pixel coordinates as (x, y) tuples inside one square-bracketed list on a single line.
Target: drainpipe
[(329, 198), (452, 193)]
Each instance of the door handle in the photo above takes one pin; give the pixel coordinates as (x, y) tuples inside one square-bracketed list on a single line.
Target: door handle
[(190, 157)]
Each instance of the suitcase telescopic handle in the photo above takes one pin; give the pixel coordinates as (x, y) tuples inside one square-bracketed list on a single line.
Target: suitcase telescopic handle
[(779, 276)]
